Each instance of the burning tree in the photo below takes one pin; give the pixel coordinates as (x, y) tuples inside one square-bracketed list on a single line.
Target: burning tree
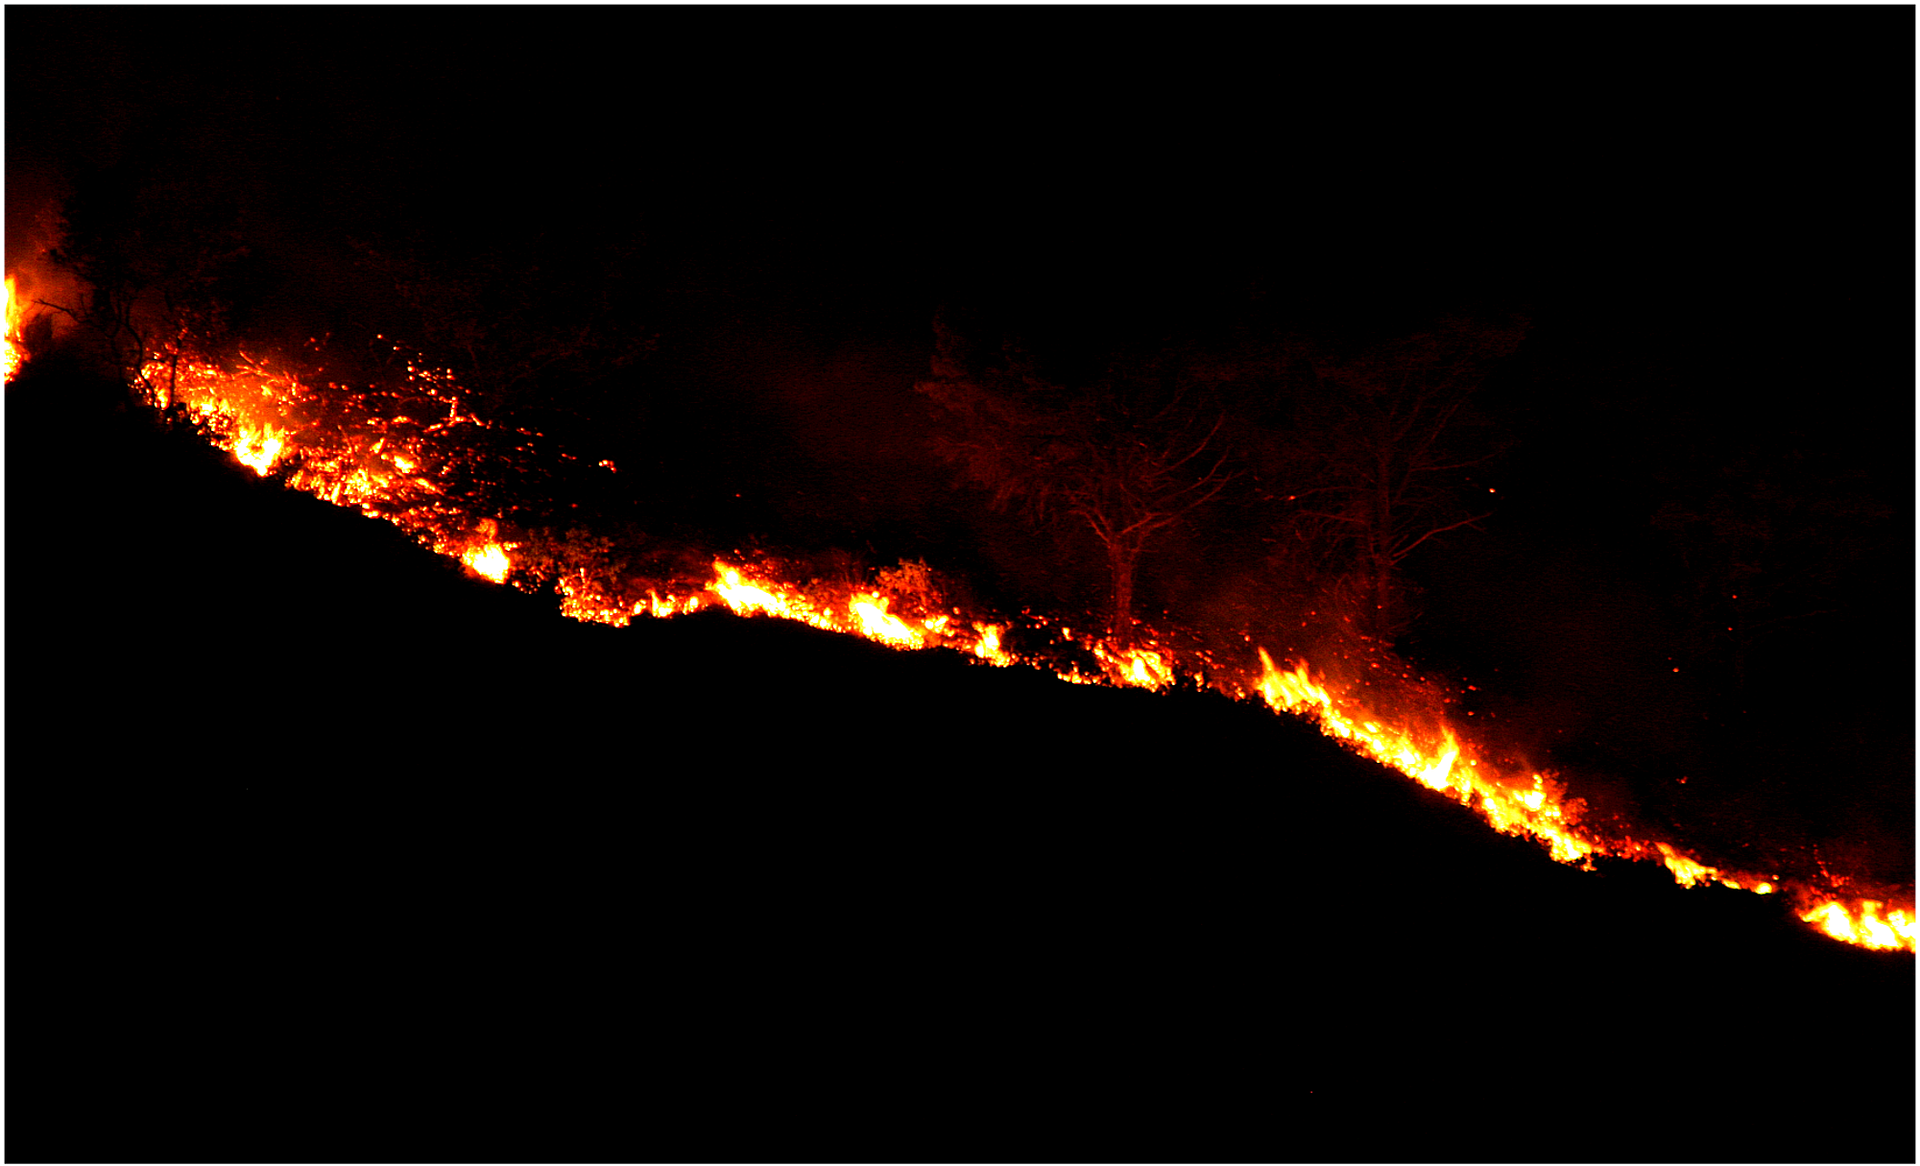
[(1129, 455)]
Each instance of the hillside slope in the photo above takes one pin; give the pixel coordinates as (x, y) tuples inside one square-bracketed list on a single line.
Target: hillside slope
[(308, 761)]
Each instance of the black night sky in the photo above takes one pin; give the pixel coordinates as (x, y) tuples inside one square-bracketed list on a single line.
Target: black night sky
[(746, 220)]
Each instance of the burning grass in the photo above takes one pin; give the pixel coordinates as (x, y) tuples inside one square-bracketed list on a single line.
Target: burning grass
[(410, 454)]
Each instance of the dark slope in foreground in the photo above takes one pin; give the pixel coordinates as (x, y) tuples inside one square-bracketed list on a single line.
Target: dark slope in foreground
[(323, 852)]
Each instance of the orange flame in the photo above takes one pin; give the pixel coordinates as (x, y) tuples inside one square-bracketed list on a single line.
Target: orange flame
[(864, 613), (1531, 804)]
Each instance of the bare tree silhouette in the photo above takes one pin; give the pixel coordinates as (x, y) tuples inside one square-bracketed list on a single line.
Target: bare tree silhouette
[(1130, 454)]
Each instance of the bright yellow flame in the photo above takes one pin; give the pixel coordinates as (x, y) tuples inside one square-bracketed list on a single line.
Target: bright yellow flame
[(748, 598), (11, 354), (877, 624), (1863, 924), (489, 560), (258, 449), (1138, 667), (988, 646), (1686, 871)]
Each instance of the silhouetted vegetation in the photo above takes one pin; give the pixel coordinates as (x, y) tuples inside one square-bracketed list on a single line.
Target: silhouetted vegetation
[(1128, 455), (1342, 462)]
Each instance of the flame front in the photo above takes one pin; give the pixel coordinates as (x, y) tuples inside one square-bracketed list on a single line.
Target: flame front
[(862, 613), (353, 447), (1533, 804), (382, 461), (1861, 922), (1530, 804)]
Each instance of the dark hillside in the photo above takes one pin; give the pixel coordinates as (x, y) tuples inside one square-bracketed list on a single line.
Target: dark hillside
[(322, 851)]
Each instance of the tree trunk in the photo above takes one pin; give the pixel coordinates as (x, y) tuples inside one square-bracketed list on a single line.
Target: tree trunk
[(1382, 589), (1122, 561)]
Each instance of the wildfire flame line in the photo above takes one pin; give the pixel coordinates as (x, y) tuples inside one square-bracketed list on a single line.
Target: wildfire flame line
[(1532, 804), (382, 464)]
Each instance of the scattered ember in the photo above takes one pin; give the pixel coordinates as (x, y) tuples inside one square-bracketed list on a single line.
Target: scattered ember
[(352, 447)]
